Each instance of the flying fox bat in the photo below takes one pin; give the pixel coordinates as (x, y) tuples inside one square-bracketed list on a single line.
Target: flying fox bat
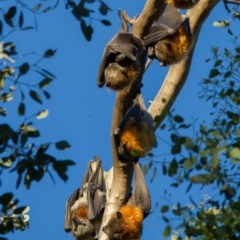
[(85, 206), (182, 4), (135, 134), (170, 38), (120, 61), (127, 222)]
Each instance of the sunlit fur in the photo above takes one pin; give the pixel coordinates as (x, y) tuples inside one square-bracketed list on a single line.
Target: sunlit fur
[(132, 219), (80, 212), (173, 48), (137, 138), (126, 224), (183, 4)]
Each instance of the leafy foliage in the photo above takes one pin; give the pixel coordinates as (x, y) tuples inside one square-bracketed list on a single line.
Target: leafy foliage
[(83, 13), (24, 82), (209, 158), (12, 217)]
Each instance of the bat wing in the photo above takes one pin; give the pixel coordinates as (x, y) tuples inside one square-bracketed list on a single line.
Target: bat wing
[(133, 114), (122, 43), (69, 203), (140, 194), (79, 196), (108, 56), (96, 190), (168, 23)]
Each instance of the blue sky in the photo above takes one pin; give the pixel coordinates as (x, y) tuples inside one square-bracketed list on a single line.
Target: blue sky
[(80, 112)]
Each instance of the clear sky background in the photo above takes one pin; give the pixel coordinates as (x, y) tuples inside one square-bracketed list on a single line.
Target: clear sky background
[(81, 113)]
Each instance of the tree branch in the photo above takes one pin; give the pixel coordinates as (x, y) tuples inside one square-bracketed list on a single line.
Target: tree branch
[(123, 171), (178, 73)]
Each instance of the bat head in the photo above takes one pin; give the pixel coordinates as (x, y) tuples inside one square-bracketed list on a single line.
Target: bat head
[(120, 61)]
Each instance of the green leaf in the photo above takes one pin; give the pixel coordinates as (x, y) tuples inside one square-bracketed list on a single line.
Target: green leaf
[(6, 162), (173, 168), (222, 24), (24, 68), (42, 114), (6, 97), (214, 72), (218, 63), (45, 82), (47, 94), (29, 130), (35, 96), (103, 9), (176, 148), (20, 20), (47, 9), (49, 53), (6, 198), (21, 210), (2, 82), (167, 231), (164, 209), (3, 112), (37, 7), (21, 109), (189, 162), (87, 30), (178, 119), (1, 27), (9, 15), (202, 178), (62, 145), (235, 153), (106, 22)]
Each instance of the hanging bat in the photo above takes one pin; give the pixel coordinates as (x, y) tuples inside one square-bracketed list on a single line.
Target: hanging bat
[(126, 223), (135, 135), (85, 206), (170, 38), (120, 64), (182, 4)]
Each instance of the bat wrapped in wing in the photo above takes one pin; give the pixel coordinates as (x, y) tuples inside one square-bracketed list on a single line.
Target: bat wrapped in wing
[(120, 64), (170, 38), (84, 208), (135, 135)]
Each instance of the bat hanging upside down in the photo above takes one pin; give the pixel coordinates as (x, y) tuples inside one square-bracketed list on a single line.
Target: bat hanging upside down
[(126, 223), (135, 134), (170, 38), (120, 64), (85, 206)]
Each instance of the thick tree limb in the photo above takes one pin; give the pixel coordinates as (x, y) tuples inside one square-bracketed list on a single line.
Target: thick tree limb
[(178, 73), (122, 171)]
